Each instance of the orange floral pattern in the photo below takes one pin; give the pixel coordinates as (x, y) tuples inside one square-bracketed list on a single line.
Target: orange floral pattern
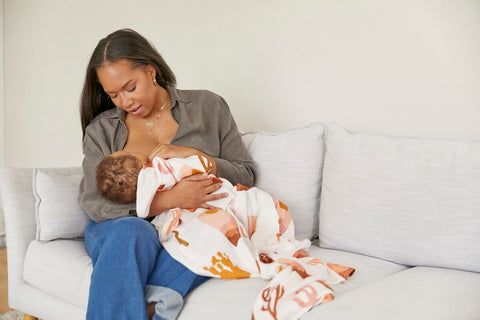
[(223, 267)]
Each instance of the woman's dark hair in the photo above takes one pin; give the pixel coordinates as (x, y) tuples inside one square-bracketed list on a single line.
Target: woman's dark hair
[(121, 44)]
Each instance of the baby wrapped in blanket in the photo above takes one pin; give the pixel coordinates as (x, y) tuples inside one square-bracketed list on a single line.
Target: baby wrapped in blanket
[(249, 234)]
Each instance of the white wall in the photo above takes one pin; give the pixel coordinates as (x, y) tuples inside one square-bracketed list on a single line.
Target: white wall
[(2, 83), (2, 135), (403, 67)]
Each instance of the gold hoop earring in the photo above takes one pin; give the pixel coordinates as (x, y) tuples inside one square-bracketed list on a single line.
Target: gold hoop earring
[(155, 82)]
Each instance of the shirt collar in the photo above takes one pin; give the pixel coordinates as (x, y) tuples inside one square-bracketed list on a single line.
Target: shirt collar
[(115, 113), (176, 96)]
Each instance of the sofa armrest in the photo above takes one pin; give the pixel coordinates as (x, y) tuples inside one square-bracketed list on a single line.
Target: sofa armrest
[(20, 226)]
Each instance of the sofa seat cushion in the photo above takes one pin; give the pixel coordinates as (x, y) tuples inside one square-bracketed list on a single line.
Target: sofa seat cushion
[(233, 299), (61, 268), (416, 293), (367, 269)]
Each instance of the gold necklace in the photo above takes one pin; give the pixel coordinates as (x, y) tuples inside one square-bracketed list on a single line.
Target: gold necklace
[(150, 124)]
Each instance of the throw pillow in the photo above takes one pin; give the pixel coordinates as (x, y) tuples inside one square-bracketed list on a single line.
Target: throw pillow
[(57, 211)]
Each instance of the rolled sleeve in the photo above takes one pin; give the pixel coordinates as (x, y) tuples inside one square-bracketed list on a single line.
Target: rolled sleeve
[(234, 162), (95, 148)]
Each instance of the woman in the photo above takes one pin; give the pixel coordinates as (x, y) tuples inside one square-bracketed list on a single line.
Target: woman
[(129, 102)]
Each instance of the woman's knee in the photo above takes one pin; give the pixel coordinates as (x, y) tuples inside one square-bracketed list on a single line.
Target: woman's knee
[(127, 231), (129, 238), (133, 228), (131, 224)]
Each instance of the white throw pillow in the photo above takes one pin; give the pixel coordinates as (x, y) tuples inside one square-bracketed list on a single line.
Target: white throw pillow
[(57, 211), (289, 168), (412, 201)]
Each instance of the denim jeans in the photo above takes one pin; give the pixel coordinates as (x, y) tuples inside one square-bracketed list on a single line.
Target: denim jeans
[(126, 256)]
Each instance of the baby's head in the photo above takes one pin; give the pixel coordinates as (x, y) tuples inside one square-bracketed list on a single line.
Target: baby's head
[(117, 176)]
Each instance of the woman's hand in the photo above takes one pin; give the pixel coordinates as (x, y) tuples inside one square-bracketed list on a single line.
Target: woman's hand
[(195, 191), (191, 192)]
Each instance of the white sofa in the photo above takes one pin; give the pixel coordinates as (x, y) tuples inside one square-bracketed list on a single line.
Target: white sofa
[(404, 212)]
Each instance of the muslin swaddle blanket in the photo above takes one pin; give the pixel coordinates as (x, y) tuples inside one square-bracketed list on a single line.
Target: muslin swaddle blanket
[(250, 234)]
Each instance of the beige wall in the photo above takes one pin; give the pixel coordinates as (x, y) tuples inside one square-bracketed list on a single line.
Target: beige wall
[(403, 67)]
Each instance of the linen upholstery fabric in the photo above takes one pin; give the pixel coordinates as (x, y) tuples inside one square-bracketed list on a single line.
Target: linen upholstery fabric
[(19, 209), (367, 269), (419, 293), (68, 277), (378, 290), (57, 211), (408, 200), (220, 293), (51, 266), (289, 167)]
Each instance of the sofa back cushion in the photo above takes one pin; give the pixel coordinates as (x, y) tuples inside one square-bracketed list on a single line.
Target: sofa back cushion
[(411, 201), (290, 169)]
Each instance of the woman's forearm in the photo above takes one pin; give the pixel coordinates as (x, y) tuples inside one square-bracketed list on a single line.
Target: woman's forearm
[(194, 191)]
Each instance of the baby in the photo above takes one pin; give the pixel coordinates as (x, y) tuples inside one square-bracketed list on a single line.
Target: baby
[(122, 177)]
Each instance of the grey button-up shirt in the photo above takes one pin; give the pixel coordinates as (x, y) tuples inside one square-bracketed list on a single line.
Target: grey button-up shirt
[(204, 123)]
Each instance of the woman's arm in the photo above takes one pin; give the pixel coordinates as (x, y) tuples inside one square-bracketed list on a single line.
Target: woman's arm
[(191, 192), (95, 148), (234, 162)]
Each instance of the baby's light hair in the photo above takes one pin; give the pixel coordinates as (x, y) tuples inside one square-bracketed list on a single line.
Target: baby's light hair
[(117, 177)]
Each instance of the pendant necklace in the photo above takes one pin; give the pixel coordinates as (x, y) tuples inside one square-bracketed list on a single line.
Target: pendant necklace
[(150, 124)]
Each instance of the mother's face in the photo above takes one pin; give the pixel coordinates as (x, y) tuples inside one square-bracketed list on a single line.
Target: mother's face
[(130, 88)]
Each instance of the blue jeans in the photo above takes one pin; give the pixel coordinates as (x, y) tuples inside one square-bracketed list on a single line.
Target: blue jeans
[(126, 256)]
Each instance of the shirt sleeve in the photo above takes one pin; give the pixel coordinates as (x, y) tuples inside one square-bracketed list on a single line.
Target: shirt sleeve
[(234, 162), (95, 148)]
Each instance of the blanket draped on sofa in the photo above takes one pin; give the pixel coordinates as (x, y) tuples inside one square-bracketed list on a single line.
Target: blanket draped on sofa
[(247, 234)]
